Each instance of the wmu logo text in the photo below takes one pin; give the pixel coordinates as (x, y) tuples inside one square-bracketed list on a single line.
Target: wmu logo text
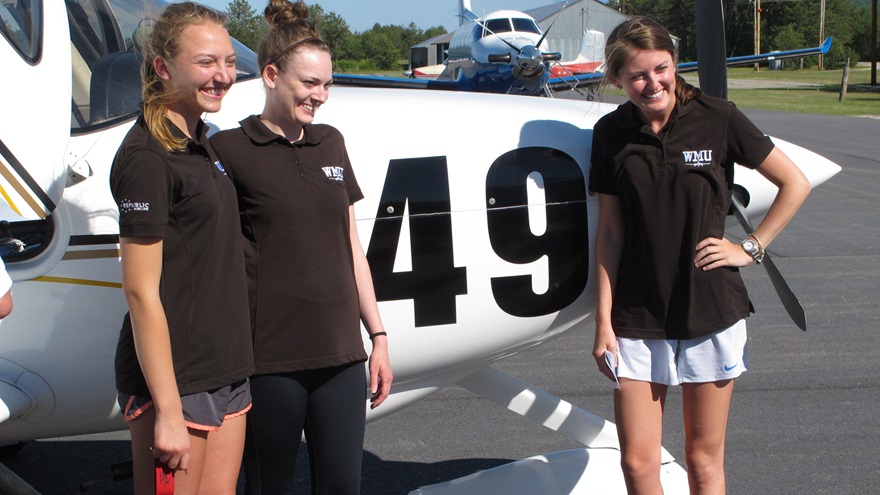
[(334, 173), (702, 158)]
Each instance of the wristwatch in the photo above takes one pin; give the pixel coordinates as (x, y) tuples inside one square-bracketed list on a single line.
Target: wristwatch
[(753, 249)]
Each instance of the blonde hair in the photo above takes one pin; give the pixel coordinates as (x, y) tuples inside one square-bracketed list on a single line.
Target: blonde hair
[(643, 34), (290, 30), (164, 41)]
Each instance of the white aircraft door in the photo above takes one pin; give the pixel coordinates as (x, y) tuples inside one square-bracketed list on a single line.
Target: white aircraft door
[(35, 90)]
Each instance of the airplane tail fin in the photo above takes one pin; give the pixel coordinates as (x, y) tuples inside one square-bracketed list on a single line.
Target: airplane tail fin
[(592, 46), (465, 13), (590, 57)]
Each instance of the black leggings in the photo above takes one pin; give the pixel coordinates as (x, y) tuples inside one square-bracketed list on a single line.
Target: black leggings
[(329, 405)]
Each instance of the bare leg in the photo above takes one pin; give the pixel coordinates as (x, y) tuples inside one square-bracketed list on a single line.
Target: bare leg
[(638, 411), (706, 408), (143, 462), (142, 459), (223, 457), (187, 482)]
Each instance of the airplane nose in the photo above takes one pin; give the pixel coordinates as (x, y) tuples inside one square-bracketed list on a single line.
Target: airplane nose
[(529, 64), (815, 167), (530, 52)]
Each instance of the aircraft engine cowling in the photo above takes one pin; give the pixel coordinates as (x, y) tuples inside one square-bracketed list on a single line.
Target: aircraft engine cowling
[(529, 64)]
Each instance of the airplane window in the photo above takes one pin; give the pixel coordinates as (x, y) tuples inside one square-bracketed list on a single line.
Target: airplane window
[(106, 38), (20, 23), (246, 66), (497, 26), (20, 241), (525, 25), (106, 59)]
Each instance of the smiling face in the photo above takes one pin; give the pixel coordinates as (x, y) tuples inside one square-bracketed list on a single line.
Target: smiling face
[(299, 89), (200, 74), (648, 78)]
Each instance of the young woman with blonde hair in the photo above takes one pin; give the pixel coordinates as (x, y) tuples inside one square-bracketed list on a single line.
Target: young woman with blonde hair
[(184, 353)]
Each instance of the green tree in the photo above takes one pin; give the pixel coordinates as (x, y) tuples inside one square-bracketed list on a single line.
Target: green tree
[(677, 16), (433, 33), (789, 38), (244, 24), (862, 32), (804, 17), (336, 33), (317, 13), (380, 49), (782, 24), (411, 35), (739, 27), (396, 35)]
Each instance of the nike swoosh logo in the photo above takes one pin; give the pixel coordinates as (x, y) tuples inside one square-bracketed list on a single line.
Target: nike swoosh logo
[(729, 368)]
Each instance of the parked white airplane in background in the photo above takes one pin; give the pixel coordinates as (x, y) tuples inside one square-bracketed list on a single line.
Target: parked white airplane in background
[(504, 52), (478, 225), (586, 61), (501, 52)]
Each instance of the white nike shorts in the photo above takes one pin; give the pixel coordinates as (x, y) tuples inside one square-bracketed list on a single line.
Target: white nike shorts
[(714, 357)]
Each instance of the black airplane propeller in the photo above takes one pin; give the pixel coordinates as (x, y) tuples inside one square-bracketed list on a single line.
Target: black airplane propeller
[(711, 53)]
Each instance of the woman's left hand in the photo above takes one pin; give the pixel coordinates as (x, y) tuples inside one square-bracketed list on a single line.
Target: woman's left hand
[(713, 253), (380, 372)]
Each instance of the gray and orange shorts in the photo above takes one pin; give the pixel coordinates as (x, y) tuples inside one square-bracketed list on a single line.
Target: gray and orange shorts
[(202, 410)]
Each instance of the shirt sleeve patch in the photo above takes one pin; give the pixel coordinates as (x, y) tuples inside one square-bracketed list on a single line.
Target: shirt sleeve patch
[(131, 206)]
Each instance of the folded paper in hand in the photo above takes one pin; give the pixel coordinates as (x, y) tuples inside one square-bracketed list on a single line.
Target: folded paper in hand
[(609, 360)]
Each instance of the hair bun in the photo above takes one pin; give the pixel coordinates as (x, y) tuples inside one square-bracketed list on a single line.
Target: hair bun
[(281, 12)]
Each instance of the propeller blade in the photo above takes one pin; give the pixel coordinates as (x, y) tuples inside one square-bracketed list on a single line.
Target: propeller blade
[(711, 53), (568, 85), (711, 48), (789, 301)]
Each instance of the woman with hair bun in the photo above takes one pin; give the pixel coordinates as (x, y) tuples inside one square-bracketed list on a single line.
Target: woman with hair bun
[(671, 304), (184, 353), (310, 284)]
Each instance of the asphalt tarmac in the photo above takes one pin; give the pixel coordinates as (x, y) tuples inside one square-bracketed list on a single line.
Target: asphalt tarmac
[(805, 417)]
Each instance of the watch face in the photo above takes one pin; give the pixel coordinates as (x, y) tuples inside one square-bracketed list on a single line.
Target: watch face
[(750, 247)]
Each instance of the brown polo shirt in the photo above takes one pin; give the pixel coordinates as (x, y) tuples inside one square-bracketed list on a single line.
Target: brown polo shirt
[(293, 200), (187, 200), (675, 190)]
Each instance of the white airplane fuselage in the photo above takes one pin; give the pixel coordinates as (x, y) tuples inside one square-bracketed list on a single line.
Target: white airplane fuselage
[(69, 305)]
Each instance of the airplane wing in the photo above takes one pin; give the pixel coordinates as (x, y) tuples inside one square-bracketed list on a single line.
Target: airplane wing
[(581, 80), (365, 81), (575, 81), (558, 83), (765, 57)]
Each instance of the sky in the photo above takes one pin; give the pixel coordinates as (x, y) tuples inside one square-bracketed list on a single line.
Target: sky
[(361, 15)]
